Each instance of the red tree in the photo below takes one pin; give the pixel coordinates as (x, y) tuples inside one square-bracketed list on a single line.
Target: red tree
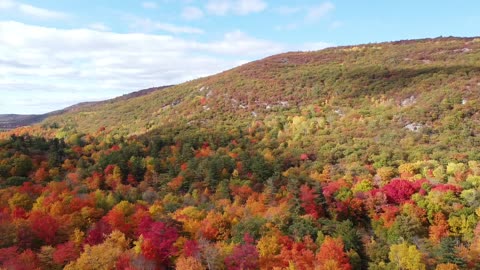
[(308, 197), (399, 190), (158, 240), (10, 259), (331, 253), (65, 253), (98, 234), (44, 226), (118, 221), (244, 256)]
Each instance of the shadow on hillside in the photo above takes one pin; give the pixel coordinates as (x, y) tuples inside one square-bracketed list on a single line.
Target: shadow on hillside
[(376, 80)]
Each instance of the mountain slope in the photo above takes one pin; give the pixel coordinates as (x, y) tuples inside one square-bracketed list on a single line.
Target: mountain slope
[(10, 121), (421, 94), (341, 76)]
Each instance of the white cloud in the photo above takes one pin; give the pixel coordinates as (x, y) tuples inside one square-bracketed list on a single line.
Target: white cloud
[(48, 68), (41, 13), (239, 7), (99, 27), (218, 7), (148, 25), (317, 12), (192, 13), (177, 29), (32, 11), (287, 10), (287, 27), (7, 4), (250, 6), (149, 5), (240, 44), (308, 15)]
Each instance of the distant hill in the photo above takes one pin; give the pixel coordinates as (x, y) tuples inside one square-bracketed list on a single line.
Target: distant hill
[(11, 121)]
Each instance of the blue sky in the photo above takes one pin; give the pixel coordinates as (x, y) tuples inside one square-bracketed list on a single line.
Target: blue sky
[(58, 53)]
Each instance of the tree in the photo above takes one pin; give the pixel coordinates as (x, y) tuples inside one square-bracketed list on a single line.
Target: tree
[(66, 253), (102, 256), (399, 190), (45, 256), (157, 241), (215, 226), (299, 255), (23, 261), (244, 256), (332, 255), (301, 227), (211, 255), (20, 200), (377, 251), (346, 231), (189, 263), (98, 233), (118, 220), (447, 252), (406, 257), (22, 166), (462, 225), (439, 229), (309, 201), (409, 225), (251, 226), (447, 266), (191, 248), (44, 226), (16, 181), (41, 175), (137, 167), (268, 248)]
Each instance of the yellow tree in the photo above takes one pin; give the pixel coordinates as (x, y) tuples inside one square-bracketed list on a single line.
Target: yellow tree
[(268, 248), (103, 256), (406, 257)]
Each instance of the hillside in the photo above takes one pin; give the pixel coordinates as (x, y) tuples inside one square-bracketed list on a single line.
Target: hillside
[(11, 121), (359, 157), (422, 94)]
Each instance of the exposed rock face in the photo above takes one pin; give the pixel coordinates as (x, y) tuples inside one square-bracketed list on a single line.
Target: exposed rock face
[(415, 127)]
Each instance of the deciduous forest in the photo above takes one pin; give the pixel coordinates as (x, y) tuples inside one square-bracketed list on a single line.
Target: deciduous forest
[(363, 157)]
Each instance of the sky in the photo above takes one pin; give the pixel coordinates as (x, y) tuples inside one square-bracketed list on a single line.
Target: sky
[(57, 53)]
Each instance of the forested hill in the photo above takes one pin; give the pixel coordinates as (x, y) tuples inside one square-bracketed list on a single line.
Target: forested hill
[(356, 103)]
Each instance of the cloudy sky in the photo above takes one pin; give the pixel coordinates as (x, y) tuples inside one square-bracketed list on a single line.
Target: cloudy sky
[(57, 53)]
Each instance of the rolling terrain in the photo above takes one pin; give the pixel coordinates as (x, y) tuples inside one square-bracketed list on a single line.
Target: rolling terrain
[(355, 157)]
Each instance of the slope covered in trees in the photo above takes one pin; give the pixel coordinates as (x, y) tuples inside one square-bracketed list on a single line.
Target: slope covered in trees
[(11, 121), (422, 95), (361, 157)]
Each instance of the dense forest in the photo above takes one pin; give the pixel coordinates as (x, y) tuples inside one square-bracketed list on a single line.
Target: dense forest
[(364, 157)]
